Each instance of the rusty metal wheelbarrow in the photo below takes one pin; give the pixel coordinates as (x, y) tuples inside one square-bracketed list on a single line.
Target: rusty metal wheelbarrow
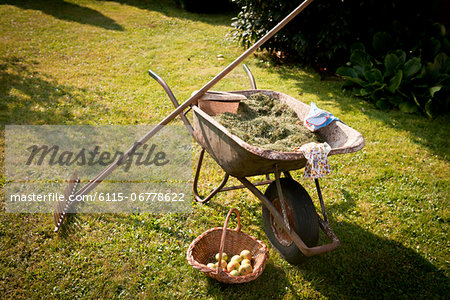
[(290, 220)]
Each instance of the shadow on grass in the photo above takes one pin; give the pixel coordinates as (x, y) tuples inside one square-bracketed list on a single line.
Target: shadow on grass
[(172, 9), (69, 12), (271, 284), (29, 97), (369, 266), (364, 266), (432, 134)]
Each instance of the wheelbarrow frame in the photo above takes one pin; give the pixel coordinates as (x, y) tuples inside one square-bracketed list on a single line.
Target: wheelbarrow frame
[(279, 218)]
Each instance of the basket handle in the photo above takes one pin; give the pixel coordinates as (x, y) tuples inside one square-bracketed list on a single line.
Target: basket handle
[(224, 233)]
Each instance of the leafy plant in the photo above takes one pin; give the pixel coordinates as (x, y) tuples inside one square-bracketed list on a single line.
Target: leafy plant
[(322, 34), (431, 89), (393, 78)]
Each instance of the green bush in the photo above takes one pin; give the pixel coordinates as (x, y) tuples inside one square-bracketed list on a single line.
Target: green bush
[(321, 35), (411, 79)]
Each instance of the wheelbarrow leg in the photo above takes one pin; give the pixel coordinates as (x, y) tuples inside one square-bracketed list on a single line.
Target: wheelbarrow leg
[(195, 183), (287, 174), (281, 197), (322, 205)]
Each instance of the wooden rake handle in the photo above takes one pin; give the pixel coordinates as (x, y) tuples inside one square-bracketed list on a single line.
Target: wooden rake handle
[(180, 109)]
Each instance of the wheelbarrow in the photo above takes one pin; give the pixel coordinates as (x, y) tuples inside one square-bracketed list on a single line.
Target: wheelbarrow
[(290, 220)]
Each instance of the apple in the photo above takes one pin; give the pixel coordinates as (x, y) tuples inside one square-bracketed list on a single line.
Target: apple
[(246, 261), (233, 265), (223, 264), (211, 265), (236, 258), (246, 254), (245, 269), (235, 273), (224, 256)]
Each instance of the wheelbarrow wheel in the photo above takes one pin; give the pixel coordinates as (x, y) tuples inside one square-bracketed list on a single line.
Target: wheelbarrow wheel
[(302, 218)]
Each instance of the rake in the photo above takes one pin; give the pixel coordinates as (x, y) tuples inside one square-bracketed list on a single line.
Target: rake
[(63, 207), (62, 210)]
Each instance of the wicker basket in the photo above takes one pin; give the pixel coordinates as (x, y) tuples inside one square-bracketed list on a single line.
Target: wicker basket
[(231, 241)]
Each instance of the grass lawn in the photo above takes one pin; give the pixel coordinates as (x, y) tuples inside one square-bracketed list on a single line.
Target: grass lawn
[(85, 62)]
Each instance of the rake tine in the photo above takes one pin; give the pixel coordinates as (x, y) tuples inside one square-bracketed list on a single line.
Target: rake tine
[(63, 207), (59, 208), (55, 217)]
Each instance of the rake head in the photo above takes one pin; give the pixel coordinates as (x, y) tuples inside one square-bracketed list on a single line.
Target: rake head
[(62, 207)]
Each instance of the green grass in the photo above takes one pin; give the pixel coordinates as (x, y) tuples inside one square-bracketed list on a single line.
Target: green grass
[(85, 62)]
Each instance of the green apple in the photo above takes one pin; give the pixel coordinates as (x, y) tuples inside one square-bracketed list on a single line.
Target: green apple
[(233, 265), (245, 269), (211, 265), (246, 261), (235, 273), (246, 254), (224, 256), (236, 258)]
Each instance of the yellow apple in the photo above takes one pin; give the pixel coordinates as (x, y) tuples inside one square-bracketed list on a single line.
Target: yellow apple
[(235, 273), (224, 256), (223, 264), (211, 265), (246, 261), (233, 265), (245, 269), (246, 254), (236, 258)]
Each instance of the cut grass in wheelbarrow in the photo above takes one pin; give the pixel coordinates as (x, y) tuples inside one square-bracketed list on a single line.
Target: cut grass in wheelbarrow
[(264, 122)]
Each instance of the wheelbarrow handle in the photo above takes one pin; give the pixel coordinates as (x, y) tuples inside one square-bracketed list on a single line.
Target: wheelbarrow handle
[(172, 98), (250, 76), (154, 75)]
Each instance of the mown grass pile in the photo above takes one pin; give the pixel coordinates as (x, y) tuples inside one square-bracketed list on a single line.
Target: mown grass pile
[(267, 123)]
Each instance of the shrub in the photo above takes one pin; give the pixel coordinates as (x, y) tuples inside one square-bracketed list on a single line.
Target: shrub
[(322, 34), (410, 79)]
